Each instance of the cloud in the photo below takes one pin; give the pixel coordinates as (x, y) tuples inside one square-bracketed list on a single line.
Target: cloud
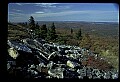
[(53, 5), (63, 7), (46, 5), (40, 12), (17, 10), (52, 10), (22, 3), (16, 14), (86, 15), (40, 4), (19, 4), (66, 13), (17, 17)]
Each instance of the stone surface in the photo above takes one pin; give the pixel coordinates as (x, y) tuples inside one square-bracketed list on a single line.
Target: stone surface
[(37, 58)]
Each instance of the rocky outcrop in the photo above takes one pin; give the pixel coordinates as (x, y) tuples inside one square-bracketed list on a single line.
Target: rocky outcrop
[(36, 58)]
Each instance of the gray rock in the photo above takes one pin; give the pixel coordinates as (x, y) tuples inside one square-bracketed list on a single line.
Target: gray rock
[(54, 60)]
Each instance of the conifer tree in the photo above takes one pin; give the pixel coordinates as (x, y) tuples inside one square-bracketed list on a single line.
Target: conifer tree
[(52, 32), (79, 34), (37, 29), (31, 23), (43, 31), (71, 30)]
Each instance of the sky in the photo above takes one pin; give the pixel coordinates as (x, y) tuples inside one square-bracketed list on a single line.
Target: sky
[(89, 12)]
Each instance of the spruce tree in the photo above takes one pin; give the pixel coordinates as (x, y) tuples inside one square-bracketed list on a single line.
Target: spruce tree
[(37, 25), (31, 23), (43, 31), (37, 30), (79, 34), (71, 30), (52, 32)]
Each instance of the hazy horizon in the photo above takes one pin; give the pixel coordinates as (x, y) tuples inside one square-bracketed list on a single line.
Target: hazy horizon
[(70, 21)]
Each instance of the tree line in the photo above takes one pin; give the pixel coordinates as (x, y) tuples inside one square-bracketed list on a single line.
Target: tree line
[(47, 33), (42, 31)]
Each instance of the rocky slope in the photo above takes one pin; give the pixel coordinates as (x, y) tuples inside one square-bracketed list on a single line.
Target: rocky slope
[(36, 58)]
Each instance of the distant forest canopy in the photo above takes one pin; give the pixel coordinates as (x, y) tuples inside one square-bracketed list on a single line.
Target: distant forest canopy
[(98, 28)]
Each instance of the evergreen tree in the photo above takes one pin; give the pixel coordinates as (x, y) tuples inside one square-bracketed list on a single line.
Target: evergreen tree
[(71, 30), (31, 23), (52, 33), (79, 34), (25, 23), (43, 31), (37, 30), (37, 25)]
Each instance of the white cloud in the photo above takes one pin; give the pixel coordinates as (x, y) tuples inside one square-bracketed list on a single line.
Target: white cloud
[(17, 10), (17, 17), (19, 4), (39, 12), (16, 14), (66, 13), (63, 7), (40, 4), (23, 3), (55, 14), (46, 5)]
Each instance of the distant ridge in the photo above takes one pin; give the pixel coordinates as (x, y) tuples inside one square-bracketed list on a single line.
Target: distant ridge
[(73, 22)]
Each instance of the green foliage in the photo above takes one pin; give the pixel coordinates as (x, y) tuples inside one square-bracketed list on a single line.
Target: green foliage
[(71, 30), (37, 26), (52, 32), (86, 42), (37, 30), (79, 34), (31, 23), (113, 59), (62, 39), (23, 24), (72, 42), (43, 31)]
